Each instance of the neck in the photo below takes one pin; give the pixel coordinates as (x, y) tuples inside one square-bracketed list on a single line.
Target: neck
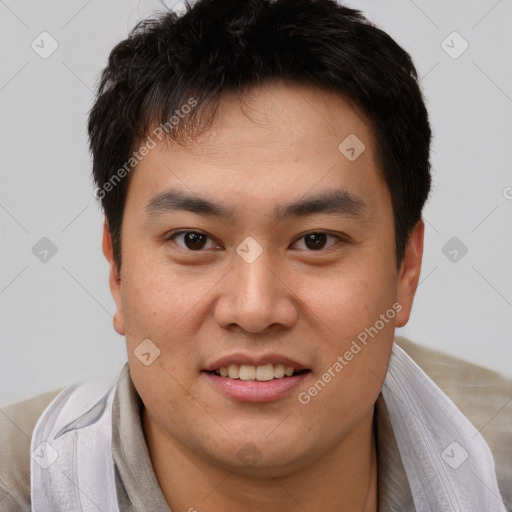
[(342, 480)]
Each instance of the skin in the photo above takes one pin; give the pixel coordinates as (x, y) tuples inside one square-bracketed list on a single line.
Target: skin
[(306, 304)]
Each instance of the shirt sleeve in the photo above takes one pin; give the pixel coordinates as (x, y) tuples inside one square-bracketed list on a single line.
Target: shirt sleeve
[(482, 395), (17, 423)]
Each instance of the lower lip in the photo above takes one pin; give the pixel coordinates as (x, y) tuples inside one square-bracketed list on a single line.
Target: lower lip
[(256, 391)]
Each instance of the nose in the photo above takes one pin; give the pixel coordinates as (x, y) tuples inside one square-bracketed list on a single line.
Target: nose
[(255, 296)]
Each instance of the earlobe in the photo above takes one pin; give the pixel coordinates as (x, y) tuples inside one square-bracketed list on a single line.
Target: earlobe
[(114, 280), (409, 273)]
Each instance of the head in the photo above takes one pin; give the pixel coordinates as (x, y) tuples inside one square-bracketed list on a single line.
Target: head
[(262, 167)]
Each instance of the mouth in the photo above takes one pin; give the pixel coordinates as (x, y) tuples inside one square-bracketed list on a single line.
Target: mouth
[(243, 379), (263, 373)]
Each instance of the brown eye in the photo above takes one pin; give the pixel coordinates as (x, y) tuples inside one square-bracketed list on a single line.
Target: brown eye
[(192, 240), (316, 241)]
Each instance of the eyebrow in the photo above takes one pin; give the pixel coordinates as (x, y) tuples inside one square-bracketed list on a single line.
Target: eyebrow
[(338, 201)]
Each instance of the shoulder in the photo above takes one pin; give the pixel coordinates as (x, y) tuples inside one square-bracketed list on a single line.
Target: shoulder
[(482, 395), (17, 423)]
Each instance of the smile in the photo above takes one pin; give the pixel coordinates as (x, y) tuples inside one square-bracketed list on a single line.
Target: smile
[(262, 373)]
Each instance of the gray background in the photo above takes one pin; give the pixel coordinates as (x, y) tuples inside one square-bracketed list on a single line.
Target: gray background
[(56, 316)]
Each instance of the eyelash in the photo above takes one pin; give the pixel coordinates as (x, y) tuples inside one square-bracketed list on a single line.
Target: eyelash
[(172, 236)]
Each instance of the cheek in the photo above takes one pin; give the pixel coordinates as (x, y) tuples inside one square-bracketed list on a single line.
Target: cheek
[(356, 317), (155, 307), (155, 298), (351, 373), (165, 397), (352, 300)]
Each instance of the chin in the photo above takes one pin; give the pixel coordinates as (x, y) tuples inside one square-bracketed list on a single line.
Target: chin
[(262, 459)]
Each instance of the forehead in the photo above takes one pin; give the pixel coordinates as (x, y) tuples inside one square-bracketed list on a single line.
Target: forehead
[(278, 140), (283, 116)]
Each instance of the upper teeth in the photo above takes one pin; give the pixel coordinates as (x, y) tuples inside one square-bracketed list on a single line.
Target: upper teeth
[(249, 372)]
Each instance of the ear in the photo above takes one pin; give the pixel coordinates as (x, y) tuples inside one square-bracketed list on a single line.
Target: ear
[(409, 273), (114, 280)]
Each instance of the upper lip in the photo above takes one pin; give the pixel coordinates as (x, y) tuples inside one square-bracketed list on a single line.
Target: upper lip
[(254, 360)]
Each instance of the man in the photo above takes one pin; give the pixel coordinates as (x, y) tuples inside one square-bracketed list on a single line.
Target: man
[(262, 167)]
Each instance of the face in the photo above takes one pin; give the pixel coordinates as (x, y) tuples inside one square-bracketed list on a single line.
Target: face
[(260, 247)]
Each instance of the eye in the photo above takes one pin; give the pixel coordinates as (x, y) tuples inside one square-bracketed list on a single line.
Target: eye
[(317, 241), (193, 240)]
